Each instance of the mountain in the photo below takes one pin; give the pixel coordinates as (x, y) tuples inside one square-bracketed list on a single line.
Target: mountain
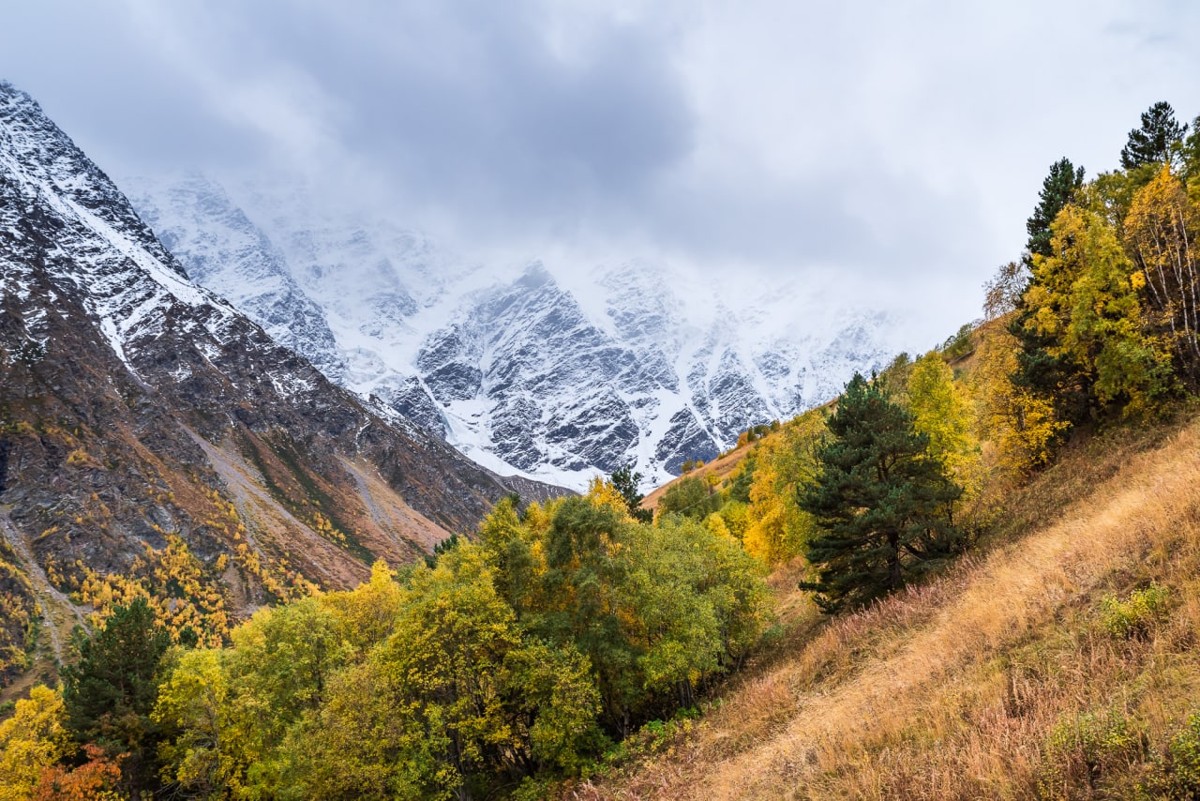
[(153, 439), (537, 368)]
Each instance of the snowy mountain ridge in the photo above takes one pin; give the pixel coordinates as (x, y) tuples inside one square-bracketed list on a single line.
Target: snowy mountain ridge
[(536, 368)]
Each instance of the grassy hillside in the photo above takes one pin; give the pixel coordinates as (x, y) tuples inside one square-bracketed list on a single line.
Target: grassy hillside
[(1057, 662)]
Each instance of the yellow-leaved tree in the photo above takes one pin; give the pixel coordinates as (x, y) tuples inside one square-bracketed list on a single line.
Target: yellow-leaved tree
[(1016, 426), (941, 411), (31, 741), (1084, 298), (777, 528), (1161, 232)]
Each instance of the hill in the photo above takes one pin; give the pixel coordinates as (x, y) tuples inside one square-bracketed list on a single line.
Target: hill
[(1057, 662)]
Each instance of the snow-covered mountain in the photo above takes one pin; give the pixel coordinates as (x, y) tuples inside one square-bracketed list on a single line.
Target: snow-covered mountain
[(540, 368), (140, 411)]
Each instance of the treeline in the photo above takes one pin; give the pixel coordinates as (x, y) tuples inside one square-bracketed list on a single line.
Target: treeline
[(526, 653)]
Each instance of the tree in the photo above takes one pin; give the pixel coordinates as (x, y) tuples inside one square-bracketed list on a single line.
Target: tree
[(626, 481), (1020, 424), (777, 528), (232, 709), (941, 412), (1084, 301), (1157, 141), (883, 506), (111, 689), (31, 741), (1191, 154), (1161, 233), (1038, 371), (1058, 189), (1002, 294), (690, 496)]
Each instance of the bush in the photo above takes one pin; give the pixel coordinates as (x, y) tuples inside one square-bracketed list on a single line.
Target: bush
[(1081, 750), (1134, 617), (1177, 775)]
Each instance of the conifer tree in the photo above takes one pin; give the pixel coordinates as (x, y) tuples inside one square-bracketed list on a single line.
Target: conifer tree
[(110, 691), (1156, 141), (625, 479), (1038, 371), (1058, 189), (882, 503)]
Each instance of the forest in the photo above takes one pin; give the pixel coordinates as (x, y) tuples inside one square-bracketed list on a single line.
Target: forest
[(541, 649)]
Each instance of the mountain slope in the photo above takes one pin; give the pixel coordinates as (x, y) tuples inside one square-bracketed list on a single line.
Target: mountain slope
[(1029, 671), (150, 433), (543, 370)]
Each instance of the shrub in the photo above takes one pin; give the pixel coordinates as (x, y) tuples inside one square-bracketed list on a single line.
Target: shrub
[(1081, 750), (1135, 616), (1177, 775)]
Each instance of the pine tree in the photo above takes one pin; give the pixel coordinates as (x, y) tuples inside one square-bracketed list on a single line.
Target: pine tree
[(1038, 372), (110, 691), (882, 504), (1156, 141), (1058, 189), (626, 481)]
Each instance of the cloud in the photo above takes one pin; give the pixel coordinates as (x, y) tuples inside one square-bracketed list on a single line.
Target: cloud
[(900, 144)]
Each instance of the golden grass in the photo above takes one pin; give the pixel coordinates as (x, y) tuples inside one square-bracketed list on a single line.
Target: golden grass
[(956, 689)]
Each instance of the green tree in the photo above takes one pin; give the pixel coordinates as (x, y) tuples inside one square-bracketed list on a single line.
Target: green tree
[(626, 481), (110, 690), (1039, 371), (1157, 141), (690, 496), (882, 504), (1058, 189), (232, 709), (1191, 156)]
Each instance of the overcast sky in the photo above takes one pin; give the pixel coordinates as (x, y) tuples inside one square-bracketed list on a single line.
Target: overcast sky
[(900, 144)]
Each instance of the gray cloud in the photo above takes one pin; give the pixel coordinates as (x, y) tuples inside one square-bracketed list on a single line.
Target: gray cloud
[(900, 144)]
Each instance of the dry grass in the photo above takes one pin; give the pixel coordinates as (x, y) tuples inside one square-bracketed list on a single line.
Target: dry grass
[(979, 684)]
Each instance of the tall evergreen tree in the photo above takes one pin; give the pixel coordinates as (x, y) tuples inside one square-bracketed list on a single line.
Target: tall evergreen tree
[(1156, 141), (1039, 372), (882, 503), (110, 690), (1058, 189)]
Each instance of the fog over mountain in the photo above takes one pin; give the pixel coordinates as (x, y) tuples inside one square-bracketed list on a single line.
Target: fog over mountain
[(879, 151), (527, 367)]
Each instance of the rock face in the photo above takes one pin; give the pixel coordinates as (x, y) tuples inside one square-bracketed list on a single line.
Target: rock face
[(141, 413), (531, 369)]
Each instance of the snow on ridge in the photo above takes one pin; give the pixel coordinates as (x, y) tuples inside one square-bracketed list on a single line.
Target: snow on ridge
[(534, 369)]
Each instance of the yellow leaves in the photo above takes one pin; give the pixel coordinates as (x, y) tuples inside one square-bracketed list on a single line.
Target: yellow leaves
[(941, 411), (367, 614), (776, 528), (602, 492), (32, 740), (1020, 425), (174, 583)]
